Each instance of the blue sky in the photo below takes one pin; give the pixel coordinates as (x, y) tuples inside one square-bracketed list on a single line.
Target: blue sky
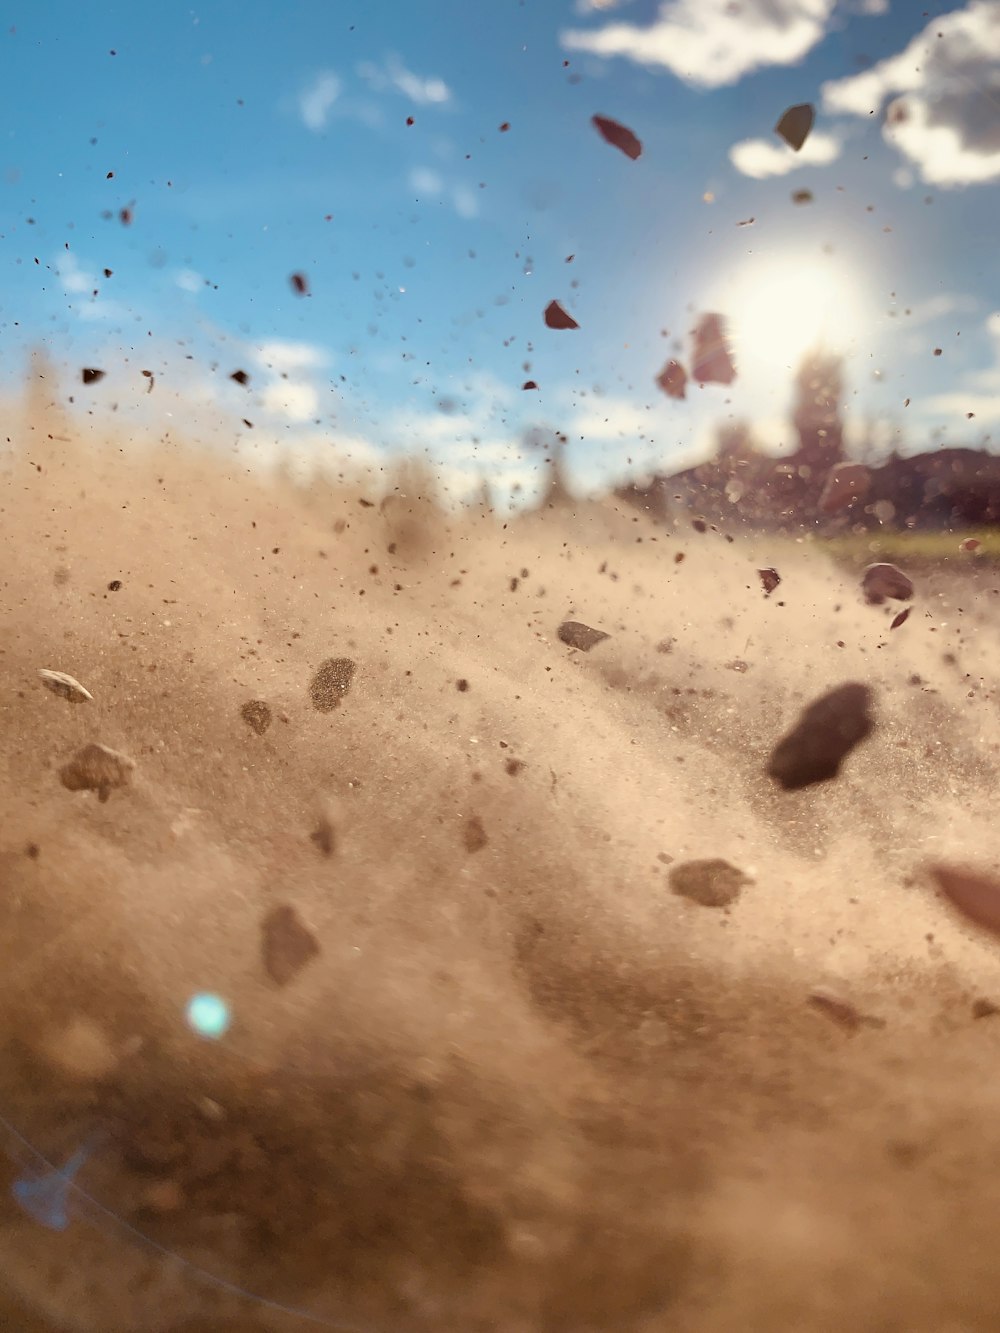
[(255, 140)]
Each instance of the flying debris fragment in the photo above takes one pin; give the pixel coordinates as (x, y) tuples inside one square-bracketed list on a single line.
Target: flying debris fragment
[(710, 883), (975, 894), (802, 196), (557, 318), (97, 768), (91, 375), (825, 734), (65, 686), (884, 580), (152, 379), (581, 636), (712, 362), (287, 944), (770, 578), (795, 124), (619, 136), (672, 379)]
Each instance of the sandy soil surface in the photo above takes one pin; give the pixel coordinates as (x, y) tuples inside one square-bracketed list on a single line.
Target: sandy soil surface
[(487, 1069)]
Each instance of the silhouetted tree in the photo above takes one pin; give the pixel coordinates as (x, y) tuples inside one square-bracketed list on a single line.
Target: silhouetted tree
[(819, 387), (735, 444)]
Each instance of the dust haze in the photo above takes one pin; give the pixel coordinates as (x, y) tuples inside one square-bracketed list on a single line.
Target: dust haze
[(498, 1058)]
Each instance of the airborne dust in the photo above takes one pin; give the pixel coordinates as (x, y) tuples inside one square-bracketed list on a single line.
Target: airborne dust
[(548, 1008)]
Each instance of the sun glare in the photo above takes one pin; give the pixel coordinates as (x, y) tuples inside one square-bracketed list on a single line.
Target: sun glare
[(779, 310)]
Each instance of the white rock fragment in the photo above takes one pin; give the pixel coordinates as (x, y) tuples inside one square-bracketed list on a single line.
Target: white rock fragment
[(65, 686)]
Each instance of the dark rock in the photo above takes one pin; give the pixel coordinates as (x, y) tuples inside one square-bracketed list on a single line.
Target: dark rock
[(712, 883), (97, 768), (619, 136), (796, 124), (770, 578), (826, 733), (288, 944), (884, 580), (983, 1008), (975, 894), (557, 318), (580, 636), (324, 835), (711, 361), (672, 379)]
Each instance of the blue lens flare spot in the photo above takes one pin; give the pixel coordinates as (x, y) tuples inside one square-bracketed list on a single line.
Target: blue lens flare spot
[(45, 1197), (208, 1015)]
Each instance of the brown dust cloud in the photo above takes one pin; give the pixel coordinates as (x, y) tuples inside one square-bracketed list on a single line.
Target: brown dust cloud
[(555, 1002)]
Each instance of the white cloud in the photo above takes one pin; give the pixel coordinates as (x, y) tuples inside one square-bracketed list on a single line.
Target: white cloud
[(944, 85), (610, 418), (283, 355), (936, 307), (712, 43), (427, 182), (316, 100), (294, 399), (759, 158), (78, 282), (189, 281), (393, 74), (74, 279), (465, 201), (289, 390)]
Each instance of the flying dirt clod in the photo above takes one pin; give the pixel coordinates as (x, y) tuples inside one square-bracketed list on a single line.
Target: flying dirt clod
[(825, 734)]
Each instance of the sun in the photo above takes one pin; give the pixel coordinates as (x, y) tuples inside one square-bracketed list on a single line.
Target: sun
[(780, 309)]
